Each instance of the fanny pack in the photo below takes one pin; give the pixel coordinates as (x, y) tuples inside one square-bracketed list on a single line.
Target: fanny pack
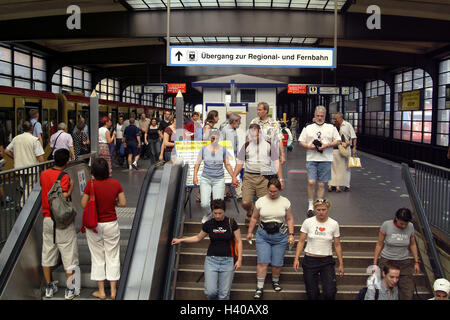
[(272, 227)]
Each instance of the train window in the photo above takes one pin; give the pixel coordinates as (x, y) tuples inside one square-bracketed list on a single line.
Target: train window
[(20, 120), (72, 117), (45, 127), (53, 122)]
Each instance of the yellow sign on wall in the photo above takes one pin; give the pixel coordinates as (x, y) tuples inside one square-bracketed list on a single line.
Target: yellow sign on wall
[(410, 100)]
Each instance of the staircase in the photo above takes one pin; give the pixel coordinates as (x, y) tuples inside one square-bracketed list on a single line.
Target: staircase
[(125, 217), (358, 245)]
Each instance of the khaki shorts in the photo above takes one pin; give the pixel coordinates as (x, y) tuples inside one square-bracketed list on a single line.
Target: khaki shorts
[(253, 184), (66, 244)]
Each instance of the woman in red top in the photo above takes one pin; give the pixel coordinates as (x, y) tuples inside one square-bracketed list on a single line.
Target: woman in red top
[(104, 244)]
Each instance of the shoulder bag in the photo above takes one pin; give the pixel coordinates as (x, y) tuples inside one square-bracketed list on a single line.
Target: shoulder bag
[(90, 212)]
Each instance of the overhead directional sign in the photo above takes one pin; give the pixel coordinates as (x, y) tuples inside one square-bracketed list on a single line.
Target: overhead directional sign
[(251, 57)]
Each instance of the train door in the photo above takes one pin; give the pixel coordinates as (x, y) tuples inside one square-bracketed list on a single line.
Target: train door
[(23, 107), (7, 125)]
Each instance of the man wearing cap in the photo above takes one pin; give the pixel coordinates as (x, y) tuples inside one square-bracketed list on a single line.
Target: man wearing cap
[(441, 289)]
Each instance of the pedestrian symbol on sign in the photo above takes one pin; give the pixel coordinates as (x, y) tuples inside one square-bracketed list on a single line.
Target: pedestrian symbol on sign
[(192, 56), (312, 90)]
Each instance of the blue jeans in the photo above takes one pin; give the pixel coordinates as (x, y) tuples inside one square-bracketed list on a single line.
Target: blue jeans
[(218, 270), (155, 149), (271, 248), (208, 186)]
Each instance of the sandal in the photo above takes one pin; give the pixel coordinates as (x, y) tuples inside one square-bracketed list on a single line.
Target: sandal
[(338, 189), (258, 294), (276, 286)]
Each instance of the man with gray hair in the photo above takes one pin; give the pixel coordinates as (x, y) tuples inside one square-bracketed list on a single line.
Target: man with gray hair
[(62, 140), (228, 133), (318, 138), (340, 173)]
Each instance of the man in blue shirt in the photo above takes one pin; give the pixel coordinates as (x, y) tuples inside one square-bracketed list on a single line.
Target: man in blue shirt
[(131, 142), (37, 127)]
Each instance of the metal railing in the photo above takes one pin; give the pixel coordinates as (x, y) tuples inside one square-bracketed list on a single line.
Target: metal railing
[(17, 185), (433, 186), (423, 225)]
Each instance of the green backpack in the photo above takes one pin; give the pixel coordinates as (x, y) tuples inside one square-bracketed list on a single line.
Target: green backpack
[(63, 213)]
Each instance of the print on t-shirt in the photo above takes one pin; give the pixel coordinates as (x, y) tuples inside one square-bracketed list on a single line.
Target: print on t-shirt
[(399, 236), (320, 231), (219, 230)]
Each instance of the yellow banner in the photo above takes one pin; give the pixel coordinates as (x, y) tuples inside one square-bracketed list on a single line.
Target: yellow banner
[(409, 101), (197, 145)]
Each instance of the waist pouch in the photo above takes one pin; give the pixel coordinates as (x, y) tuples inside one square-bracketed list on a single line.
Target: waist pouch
[(271, 227), (268, 177)]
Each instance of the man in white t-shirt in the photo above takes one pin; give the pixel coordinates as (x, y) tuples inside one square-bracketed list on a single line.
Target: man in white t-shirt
[(318, 138)]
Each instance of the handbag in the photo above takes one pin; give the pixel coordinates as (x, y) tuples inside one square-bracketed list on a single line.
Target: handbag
[(90, 213), (354, 162), (345, 152), (233, 243)]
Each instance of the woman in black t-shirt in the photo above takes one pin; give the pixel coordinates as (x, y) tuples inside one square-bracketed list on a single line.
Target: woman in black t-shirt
[(219, 262)]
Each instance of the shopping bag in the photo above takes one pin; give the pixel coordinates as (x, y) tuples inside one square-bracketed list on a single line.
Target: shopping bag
[(354, 162)]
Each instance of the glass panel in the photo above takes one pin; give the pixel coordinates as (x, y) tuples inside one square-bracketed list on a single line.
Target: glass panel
[(67, 71), (443, 127), (427, 126), (87, 76), (23, 72), (417, 115), (39, 75), (427, 138), (416, 136), (398, 78), (428, 82), (406, 135), (56, 89), (56, 79), (407, 76), (5, 54), (418, 73), (417, 126), (397, 125), (5, 82), (77, 83), (428, 104), (77, 73), (396, 134), (26, 84), (22, 58), (442, 140), (66, 81), (418, 83), (406, 125), (5, 68), (443, 66), (407, 86)]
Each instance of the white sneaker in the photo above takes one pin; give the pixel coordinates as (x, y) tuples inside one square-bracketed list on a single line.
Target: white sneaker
[(130, 167), (51, 289), (71, 293)]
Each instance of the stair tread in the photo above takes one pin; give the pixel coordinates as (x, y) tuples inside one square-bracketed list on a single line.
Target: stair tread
[(284, 270), (287, 287), (343, 239)]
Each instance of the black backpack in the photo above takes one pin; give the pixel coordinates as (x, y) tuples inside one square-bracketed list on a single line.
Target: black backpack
[(362, 294)]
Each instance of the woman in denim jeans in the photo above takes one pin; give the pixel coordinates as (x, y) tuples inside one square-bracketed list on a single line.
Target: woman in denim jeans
[(321, 232), (212, 180), (274, 211), (219, 263)]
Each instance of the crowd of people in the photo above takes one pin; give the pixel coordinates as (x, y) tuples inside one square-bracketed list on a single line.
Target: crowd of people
[(259, 175)]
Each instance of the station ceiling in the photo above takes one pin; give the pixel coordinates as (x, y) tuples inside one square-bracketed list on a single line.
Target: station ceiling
[(126, 39)]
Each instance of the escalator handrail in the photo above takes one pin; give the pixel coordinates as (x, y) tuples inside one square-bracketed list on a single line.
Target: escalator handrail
[(24, 224), (422, 219), (175, 233), (134, 233)]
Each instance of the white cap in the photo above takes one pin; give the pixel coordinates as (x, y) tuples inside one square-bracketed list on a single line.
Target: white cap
[(442, 285)]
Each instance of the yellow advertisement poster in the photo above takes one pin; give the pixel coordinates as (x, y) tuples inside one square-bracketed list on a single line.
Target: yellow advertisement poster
[(410, 100)]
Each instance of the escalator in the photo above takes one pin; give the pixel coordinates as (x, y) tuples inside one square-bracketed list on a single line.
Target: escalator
[(145, 242)]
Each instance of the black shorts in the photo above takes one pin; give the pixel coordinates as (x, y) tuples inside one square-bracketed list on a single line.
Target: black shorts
[(132, 148)]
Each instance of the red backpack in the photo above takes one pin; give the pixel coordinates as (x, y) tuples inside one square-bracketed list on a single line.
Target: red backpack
[(90, 214)]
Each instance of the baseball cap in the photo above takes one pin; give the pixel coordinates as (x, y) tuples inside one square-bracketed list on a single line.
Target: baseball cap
[(442, 285)]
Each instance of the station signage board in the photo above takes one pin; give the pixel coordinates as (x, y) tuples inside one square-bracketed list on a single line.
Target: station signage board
[(154, 88), (329, 90), (175, 87), (296, 89), (251, 57), (410, 100)]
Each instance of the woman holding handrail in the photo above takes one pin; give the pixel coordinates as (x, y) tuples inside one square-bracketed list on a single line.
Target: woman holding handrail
[(220, 262)]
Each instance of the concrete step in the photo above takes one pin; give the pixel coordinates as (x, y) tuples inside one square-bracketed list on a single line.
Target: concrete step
[(346, 230), (291, 291), (352, 259), (247, 274), (348, 243)]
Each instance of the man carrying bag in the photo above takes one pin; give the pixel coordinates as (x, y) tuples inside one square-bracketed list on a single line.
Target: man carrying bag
[(58, 232)]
